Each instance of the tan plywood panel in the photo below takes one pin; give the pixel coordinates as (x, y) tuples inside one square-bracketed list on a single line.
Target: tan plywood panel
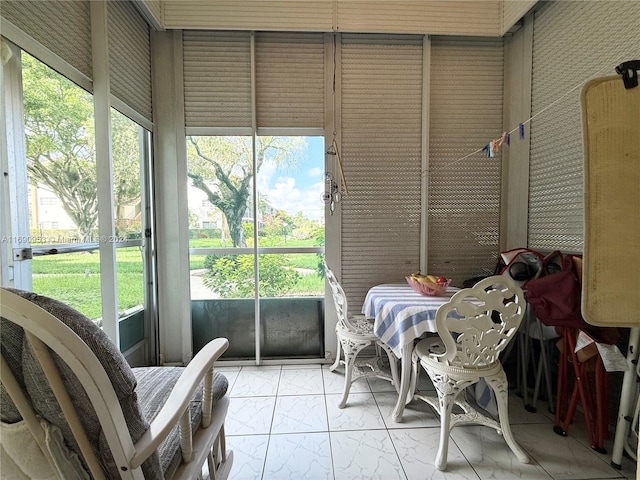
[(611, 132)]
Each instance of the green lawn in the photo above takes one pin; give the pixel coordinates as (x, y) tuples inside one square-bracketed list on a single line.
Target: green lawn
[(74, 278)]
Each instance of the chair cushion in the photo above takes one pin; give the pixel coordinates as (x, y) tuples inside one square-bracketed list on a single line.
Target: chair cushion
[(22, 458), (154, 386), (29, 375), (142, 391)]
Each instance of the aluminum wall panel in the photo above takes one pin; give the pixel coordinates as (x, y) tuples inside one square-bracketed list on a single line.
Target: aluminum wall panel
[(217, 79), (464, 193), (61, 26), (293, 15), (382, 84), (152, 8), (462, 17), (290, 80), (513, 11), (130, 57), (433, 17), (573, 42)]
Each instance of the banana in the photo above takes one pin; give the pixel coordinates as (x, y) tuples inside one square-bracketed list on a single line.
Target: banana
[(425, 280), (429, 282)]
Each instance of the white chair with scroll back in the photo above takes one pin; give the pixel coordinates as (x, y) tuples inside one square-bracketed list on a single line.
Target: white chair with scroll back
[(354, 333), (473, 328)]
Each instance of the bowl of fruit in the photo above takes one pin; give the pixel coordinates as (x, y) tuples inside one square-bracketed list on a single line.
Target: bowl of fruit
[(429, 285)]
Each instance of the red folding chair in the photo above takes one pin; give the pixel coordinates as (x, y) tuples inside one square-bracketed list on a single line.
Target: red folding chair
[(589, 386)]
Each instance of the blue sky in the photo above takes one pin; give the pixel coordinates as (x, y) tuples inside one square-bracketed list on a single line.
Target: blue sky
[(300, 189)]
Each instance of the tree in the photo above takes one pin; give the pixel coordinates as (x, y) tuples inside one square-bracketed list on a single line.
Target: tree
[(58, 115), (222, 167), (125, 153), (305, 228), (278, 224), (59, 130)]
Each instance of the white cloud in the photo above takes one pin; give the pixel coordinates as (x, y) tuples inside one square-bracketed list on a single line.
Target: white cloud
[(288, 197), (316, 172)]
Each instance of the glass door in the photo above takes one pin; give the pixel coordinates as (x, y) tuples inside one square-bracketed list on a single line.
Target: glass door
[(52, 235), (256, 233)]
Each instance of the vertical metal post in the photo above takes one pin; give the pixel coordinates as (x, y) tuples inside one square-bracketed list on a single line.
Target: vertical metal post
[(102, 115), (627, 397), (254, 140)]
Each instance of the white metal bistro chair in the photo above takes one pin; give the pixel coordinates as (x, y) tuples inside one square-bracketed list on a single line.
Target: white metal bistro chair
[(473, 328), (354, 333), (71, 400)]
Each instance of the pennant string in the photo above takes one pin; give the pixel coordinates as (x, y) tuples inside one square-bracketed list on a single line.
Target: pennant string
[(493, 147)]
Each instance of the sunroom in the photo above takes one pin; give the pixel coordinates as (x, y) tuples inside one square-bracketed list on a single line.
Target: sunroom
[(181, 170)]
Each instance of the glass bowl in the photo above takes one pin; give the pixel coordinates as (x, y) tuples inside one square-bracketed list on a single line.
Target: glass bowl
[(428, 289)]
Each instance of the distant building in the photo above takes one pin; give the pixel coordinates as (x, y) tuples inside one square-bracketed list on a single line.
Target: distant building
[(46, 212)]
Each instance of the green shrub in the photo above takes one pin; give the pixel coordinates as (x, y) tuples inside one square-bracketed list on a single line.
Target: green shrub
[(231, 276)]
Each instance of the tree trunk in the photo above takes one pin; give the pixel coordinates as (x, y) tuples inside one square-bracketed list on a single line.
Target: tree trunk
[(234, 220)]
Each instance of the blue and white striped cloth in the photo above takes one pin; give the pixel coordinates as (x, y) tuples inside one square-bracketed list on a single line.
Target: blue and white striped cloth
[(401, 315)]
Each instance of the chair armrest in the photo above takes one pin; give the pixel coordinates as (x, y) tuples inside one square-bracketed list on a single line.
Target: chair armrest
[(179, 399)]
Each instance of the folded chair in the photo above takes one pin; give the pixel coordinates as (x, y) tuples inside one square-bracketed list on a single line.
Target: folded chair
[(473, 328), (354, 333), (532, 331), (588, 386), (72, 406)]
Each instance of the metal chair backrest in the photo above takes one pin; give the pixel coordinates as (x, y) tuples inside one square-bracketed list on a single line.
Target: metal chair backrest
[(339, 299), (478, 322)]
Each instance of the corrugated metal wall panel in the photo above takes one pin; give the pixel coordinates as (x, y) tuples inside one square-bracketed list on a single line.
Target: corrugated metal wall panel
[(154, 7), (464, 193), (470, 17), (433, 17), (573, 41), (130, 57), (514, 10), (311, 15), (290, 80), (61, 26), (217, 79), (381, 154)]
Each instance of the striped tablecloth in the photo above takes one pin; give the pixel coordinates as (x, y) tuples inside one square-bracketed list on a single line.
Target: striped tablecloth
[(401, 315)]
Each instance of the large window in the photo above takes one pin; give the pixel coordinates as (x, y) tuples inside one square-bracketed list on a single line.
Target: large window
[(222, 215), (59, 191), (62, 187), (270, 234)]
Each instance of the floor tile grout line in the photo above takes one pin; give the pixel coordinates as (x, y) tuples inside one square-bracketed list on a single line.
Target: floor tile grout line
[(326, 412), (273, 414), (395, 449)]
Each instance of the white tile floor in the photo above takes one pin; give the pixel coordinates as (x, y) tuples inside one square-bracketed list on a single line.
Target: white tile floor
[(284, 423)]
